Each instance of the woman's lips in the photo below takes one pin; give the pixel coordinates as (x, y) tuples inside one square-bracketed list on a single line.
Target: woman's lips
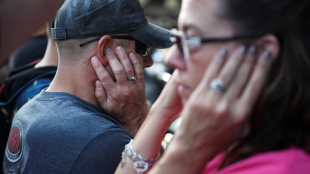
[(182, 89)]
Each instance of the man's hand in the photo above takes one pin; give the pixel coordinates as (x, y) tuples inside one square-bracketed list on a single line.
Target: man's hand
[(124, 100)]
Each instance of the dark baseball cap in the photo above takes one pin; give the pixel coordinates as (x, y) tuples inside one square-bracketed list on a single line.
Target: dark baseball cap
[(95, 18)]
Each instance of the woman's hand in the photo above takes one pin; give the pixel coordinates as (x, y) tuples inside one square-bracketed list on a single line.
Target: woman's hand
[(214, 118)]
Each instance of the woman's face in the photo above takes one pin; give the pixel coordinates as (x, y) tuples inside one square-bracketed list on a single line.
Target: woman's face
[(198, 18)]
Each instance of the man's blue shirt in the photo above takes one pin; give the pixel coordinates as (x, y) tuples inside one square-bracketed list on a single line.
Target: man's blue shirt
[(60, 133)]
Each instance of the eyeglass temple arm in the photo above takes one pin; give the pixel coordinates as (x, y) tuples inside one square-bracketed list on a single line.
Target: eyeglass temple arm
[(82, 44), (113, 37), (228, 38)]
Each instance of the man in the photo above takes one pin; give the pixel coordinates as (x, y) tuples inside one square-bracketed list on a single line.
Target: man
[(27, 81), (62, 130)]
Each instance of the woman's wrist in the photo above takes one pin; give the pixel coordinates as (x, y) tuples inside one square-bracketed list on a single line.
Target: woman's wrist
[(182, 159), (159, 111)]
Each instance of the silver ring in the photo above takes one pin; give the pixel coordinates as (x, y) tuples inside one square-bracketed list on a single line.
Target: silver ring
[(132, 78), (218, 86)]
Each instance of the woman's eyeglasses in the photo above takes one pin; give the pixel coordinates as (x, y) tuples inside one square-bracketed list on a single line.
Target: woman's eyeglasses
[(140, 48), (178, 38)]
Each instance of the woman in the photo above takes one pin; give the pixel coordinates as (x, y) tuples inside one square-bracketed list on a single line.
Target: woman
[(238, 117)]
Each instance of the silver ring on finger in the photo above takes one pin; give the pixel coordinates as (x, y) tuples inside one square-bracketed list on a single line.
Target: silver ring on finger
[(218, 86), (132, 78)]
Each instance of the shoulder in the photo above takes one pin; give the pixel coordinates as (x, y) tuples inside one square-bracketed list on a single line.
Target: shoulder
[(103, 153), (110, 141), (287, 161)]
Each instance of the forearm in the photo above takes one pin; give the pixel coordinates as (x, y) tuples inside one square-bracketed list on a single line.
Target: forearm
[(148, 140)]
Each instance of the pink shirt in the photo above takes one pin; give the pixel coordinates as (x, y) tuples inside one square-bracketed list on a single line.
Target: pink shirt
[(288, 161)]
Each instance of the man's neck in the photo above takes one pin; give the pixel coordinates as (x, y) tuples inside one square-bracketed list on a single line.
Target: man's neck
[(77, 79)]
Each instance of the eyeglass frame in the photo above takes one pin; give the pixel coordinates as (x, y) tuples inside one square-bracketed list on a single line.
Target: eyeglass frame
[(198, 41), (146, 52)]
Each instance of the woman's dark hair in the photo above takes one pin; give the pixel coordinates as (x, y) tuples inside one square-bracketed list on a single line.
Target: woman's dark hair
[(281, 117)]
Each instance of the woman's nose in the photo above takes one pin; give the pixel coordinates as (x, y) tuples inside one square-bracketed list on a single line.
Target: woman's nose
[(174, 59)]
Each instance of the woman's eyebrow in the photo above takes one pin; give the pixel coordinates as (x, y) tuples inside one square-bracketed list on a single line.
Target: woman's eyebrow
[(194, 28)]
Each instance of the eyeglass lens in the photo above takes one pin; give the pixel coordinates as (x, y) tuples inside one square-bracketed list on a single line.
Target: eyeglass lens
[(141, 48)]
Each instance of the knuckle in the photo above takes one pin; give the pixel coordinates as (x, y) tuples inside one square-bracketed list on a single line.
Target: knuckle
[(222, 111), (195, 106), (130, 71), (104, 78), (119, 71), (240, 115), (114, 95), (126, 92), (200, 106)]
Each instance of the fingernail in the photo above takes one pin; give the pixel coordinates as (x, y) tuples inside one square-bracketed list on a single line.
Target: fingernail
[(119, 49), (266, 55), (252, 49), (98, 85), (223, 52), (242, 49), (132, 55), (108, 51), (94, 59)]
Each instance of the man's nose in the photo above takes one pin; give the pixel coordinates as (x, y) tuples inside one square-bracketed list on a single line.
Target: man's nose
[(147, 61)]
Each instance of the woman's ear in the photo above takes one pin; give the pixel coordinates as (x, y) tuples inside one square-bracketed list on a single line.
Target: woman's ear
[(104, 43), (271, 43)]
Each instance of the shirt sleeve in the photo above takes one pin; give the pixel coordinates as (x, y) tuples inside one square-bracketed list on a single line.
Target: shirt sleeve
[(103, 153)]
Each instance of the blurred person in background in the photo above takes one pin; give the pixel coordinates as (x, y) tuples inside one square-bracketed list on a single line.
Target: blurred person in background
[(242, 88), (18, 20), (32, 51), (30, 14), (25, 82), (62, 129)]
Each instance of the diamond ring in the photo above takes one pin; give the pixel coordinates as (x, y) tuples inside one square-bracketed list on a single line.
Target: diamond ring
[(218, 86)]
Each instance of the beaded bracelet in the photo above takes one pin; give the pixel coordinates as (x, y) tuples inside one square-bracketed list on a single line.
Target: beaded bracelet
[(140, 164)]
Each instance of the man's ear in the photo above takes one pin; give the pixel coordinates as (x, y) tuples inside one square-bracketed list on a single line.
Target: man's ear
[(104, 43), (271, 43)]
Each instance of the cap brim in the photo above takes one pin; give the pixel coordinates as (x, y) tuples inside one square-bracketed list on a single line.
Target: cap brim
[(152, 35)]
